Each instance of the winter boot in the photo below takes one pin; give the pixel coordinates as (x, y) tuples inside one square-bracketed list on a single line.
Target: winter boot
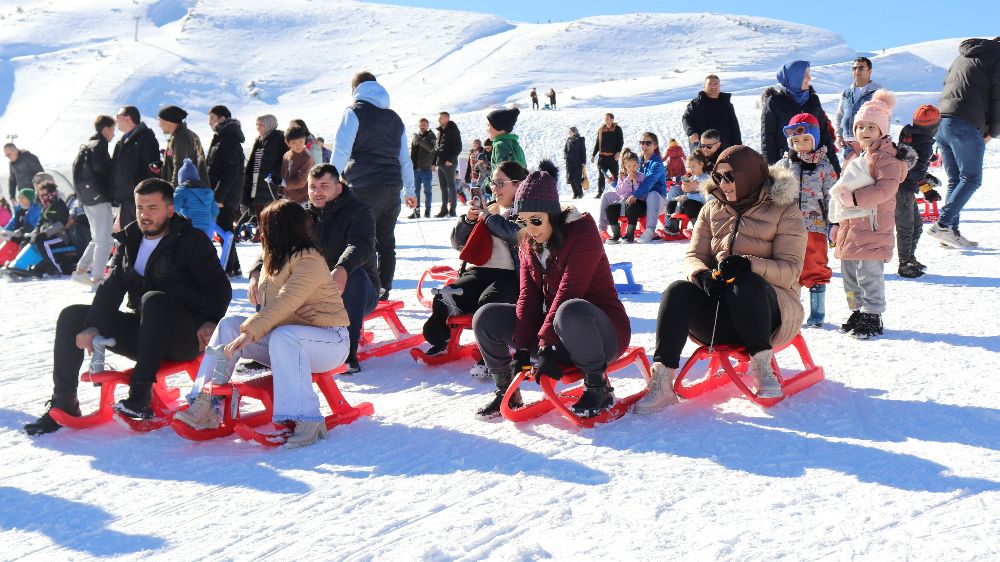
[(630, 233), (492, 410), (442, 213), (673, 227), (852, 322), (597, 397), (427, 213), (414, 215), (909, 271), (137, 405), (479, 370), (66, 402), (817, 305), (916, 264), (202, 413), (353, 365), (763, 375), (869, 326), (659, 393), (306, 433), (616, 230)]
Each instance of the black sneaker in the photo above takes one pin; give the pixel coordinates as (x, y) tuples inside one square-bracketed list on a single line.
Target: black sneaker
[(594, 400), (910, 271), (869, 326), (130, 409), (436, 349), (492, 410), (249, 366), (916, 264), (353, 366), (45, 424), (852, 322)]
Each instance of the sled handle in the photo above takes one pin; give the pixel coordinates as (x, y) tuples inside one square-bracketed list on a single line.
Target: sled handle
[(97, 358)]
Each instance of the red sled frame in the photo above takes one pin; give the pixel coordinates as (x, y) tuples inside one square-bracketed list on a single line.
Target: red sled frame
[(457, 324), (402, 338), (562, 401)]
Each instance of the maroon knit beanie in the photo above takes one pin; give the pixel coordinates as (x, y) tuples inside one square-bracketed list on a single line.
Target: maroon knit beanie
[(538, 193)]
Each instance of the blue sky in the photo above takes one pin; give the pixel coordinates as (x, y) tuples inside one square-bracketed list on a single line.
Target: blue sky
[(883, 24)]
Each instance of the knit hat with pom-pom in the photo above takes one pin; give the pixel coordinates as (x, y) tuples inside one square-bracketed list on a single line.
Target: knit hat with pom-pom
[(878, 110)]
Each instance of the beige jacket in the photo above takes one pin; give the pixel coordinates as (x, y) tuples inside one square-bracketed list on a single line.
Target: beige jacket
[(771, 234), (305, 279)]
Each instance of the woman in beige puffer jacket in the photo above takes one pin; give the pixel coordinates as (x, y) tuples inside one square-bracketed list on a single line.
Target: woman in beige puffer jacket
[(742, 267)]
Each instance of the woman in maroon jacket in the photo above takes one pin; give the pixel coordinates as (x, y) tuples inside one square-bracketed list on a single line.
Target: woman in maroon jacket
[(567, 311)]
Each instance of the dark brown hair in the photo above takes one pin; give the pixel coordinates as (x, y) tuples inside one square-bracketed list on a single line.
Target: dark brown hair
[(103, 121), (363, 76), (555, 243), (285, 230)]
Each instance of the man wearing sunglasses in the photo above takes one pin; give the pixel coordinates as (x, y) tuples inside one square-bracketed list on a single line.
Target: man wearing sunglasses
[(860, 91)]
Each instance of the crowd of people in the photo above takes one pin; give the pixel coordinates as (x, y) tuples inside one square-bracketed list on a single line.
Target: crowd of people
[(534, 271)]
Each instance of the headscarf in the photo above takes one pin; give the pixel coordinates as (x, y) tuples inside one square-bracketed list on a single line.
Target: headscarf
[(270, 123), (790, 77), (751, 173)]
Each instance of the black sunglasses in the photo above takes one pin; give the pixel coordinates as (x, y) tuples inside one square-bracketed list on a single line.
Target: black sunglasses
[(533, 221), (708, 144), (727, 176), (645, 142)]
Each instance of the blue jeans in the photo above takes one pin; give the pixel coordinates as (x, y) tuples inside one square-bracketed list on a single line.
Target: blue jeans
[(360, 298), (962, 147), (423, 177)]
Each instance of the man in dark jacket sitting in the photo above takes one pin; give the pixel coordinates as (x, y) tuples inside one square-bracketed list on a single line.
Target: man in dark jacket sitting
[(345, 230), (177, 293)]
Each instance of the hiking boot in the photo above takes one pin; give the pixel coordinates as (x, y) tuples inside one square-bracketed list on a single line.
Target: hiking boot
[(595, 399), (817, 305), (492, 410), (869, 326), (353, 366), (909, 271), (659, 392), (45, 424), (852, 322), (414, 215), (441, 214), (201, 414), (916, 264), (950, 237), (766, 383), (306, 433)]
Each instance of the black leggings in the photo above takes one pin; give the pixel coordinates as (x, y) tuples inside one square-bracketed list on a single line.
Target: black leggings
[(633, 213), (480, 286), (748, 313)]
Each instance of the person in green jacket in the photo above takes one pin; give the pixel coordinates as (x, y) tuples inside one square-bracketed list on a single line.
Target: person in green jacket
[(505, 145)]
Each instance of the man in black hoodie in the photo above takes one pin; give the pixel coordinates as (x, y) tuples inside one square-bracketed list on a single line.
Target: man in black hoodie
[(970, 118), (177, 293), (712, 109), (225, 172), (449, 146)]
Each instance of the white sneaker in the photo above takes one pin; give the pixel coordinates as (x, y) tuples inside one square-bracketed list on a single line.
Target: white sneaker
[(950, 237), (479, 370), (82, 277), (968, 243), (763, 376), (306, 433), (660, 392), (647, 236)]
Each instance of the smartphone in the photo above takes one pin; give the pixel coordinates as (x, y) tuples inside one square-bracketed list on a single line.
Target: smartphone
[(476, 197)]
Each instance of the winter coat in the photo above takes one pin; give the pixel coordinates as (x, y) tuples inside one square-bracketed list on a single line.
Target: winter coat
[(52, 220), (578, 270), (655, 177), (778, 110), (304, 280), (814, 190), (972, 86), (921, 140), (92, 179), (5, 216), (225, 163), (422, 147), (130, 162), (676, 164), (770, 234), (608, 141), (449, 144), (184, 265), (273, 149), (868, 238), (849, 106), (198, 205), (182, 144), (24, 219), (625, 187), (295, 174), (503, 229), (704, 113), (505, 148), (22, 170), (475, 167), (575, 153), (552, 96), (371, 149), (345, 230)]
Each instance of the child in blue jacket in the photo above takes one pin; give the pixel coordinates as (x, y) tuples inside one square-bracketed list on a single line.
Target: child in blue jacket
[(193, 200)]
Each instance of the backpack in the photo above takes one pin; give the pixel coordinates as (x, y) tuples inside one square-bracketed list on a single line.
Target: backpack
[(84, 179)]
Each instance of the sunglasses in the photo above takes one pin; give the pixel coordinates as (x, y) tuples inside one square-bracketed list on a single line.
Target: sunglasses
[(498, 184), (797, 130), (708, 145), (859, 68), (646, 142), (727, 176), (533, 221)]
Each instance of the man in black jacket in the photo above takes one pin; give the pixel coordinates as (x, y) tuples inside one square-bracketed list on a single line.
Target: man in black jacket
[(92, 180), (176, 290), (131, 162), (225, 172), (608, 146), (345, 230), (449, 146), (712, 109)]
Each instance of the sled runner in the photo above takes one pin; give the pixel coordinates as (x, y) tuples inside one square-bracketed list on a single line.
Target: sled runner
[(457, 324), (629, 287), (729, 363), (563, 400), (402, 339)]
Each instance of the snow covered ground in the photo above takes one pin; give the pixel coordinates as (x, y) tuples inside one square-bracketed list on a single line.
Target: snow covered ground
[(893, 456)]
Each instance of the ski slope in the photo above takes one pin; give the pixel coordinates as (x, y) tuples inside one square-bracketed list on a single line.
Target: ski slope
[(896, 455)]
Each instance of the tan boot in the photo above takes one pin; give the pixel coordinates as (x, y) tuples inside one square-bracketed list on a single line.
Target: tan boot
[(763, 376), (660, 393), (306, 433), (201, 414)]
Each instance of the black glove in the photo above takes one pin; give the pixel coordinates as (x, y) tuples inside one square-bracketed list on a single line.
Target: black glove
[(548, 365), (733, 265), (931, 196), (521, 361), (713, 287)]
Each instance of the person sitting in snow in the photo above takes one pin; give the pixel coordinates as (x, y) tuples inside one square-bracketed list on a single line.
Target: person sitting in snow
[(710, 147), (194, 200), (25, 216), (47, 246), (177, 292)]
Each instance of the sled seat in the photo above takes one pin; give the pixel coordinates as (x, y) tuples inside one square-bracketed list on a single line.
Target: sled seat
[(629, 287), (729, 363), (562, 401), (457, 324), (930, 211), (684, 234), (166, 400), (402, 338)]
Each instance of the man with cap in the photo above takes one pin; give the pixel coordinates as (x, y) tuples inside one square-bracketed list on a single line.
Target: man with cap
[(135, 158), (23, 166), (506, 146), (852, 99), (373, 152), (909, 223), (183, 143)]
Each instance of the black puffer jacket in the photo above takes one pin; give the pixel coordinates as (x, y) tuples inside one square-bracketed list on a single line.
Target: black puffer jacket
[(92, 179), (704, 113), (345, 229), (131, 160), (449, 144), (270, 164), (575, 153), (184, 265), (921, 140), (778, 110), (225, 163), (972, 86)]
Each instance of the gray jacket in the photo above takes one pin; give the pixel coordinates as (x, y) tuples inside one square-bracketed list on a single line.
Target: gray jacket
[(23, 169)]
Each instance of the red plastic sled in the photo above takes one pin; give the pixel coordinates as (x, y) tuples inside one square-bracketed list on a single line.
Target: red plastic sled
[(562, 401), (166, 400), (734, 362), (685, 232), (402, 339), (457, 324), (623, 227), (444, 273)]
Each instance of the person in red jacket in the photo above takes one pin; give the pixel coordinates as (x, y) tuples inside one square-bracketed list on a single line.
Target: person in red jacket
[(567, 311), (676, 163)]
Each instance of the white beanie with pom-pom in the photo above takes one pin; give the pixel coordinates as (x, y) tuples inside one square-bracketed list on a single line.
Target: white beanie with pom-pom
[(877, 110)]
